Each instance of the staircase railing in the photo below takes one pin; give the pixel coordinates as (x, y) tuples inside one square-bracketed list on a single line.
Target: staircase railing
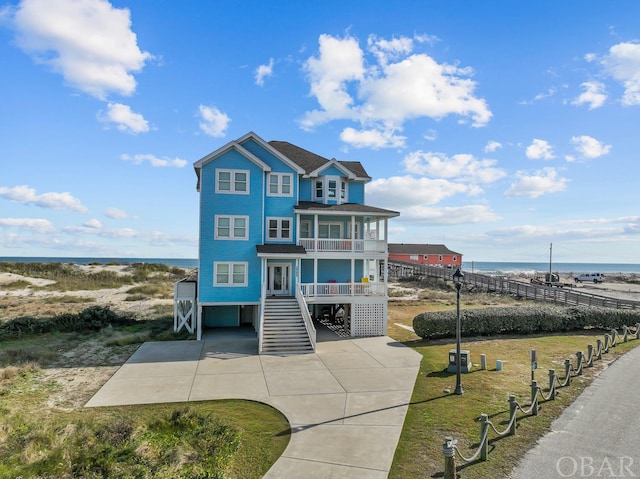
[(263, 297), (308, 322)]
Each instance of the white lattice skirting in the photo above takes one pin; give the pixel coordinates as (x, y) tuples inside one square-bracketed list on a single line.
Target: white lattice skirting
[(369, 319)]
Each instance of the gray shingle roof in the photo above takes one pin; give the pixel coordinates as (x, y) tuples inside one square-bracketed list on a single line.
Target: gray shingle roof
[(344, 208), (310, 161), (401, 248), (280, 249)]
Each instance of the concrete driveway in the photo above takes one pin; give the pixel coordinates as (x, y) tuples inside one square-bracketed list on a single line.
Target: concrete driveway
[(346, 402)]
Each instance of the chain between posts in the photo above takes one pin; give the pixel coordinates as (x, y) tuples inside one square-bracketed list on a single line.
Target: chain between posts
[(450, 448)]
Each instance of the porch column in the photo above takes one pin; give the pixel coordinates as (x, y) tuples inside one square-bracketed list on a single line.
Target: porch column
[(315, 232), (297, 228), (353, 238), (315, 275), (353, 274)]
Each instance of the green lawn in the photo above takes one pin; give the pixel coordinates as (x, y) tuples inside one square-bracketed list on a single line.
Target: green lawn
[(434, 413)]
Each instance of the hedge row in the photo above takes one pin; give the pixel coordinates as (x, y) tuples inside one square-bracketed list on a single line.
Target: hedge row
[(90, 319), (521, 320)]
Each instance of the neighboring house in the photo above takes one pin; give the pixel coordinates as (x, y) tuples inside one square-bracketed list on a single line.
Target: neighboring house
[(285, 235), (429, 254)]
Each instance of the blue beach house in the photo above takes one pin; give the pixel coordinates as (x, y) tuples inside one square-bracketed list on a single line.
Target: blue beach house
[(286, 239)]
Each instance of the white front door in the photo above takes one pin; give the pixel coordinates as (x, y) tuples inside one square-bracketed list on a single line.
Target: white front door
[(278, 279)]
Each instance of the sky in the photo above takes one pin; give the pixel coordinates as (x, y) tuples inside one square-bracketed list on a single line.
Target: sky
[(496, 128)]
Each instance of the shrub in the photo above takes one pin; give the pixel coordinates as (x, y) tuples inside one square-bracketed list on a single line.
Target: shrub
[(93, 318), (521, 320)]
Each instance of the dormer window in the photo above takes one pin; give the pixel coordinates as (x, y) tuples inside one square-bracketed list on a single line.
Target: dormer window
[(330, 189)]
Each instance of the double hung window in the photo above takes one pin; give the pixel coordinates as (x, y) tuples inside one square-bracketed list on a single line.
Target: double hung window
[(280, 184), (231, 227), (232, 181), (230, 274), (279, 229)]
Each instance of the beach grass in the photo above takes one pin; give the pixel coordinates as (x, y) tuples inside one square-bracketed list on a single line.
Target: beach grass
[(27, 392)]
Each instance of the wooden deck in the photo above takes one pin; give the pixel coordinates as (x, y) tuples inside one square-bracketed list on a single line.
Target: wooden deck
[(550, 294)]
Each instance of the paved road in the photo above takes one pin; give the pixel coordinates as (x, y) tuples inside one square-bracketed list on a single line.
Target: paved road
[(598, 435)]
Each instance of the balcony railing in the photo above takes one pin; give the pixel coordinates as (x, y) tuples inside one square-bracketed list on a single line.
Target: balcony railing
[(310, 290), (343, 245)]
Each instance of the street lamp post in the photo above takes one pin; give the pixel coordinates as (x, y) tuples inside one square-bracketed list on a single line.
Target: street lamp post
[(457, 280)]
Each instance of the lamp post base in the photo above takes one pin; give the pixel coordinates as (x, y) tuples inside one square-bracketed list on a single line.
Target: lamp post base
[(458, 390)]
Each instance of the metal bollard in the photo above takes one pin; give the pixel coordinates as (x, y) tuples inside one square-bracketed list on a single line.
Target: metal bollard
[(607, 339), (637, 330), (599, 346), (625, 333), (534, 398), (449, 457), (590, 355), (614, 333)]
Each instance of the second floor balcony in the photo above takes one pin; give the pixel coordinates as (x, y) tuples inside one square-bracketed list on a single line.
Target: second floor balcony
[(312, 245)]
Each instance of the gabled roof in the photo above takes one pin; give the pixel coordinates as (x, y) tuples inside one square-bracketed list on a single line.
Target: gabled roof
[(252, 136), (311, 162), (329, 164), (232, 145), (412, 248), (344, 209)]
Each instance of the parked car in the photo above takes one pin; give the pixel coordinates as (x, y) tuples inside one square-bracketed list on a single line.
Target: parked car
[(591, 277)]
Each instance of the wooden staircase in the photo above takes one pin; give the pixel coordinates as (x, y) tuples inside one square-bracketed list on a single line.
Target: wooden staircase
[(284, 331)]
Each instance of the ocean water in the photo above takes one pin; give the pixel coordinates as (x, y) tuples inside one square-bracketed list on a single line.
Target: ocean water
[(507, 268), (178, 262), (495, 268)]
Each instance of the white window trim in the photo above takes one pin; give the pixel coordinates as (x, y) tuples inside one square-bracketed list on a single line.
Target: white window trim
[(232, 190), (231, 228), (230, 283), (329, 224), (280, 184), (306, 222), (325, 189), (357, 230), (279, 219)]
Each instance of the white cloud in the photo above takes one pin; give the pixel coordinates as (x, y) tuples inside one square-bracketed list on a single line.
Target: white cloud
[(37, 225), (623, 64), (339, 61), (589, 147), (124, 119), (542, 182), (593, 95), (213, 121), (89, 42), (57, 201), (400, 192), (539, 149), (492, 146), (264, 71), (385, 50), (398, 86), (116, 214), (462, 166), (93, 223), (155, 161), (449, 215), (374, 139)]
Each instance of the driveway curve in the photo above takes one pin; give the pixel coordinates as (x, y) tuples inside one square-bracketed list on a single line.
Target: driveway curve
[(346, 402)]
